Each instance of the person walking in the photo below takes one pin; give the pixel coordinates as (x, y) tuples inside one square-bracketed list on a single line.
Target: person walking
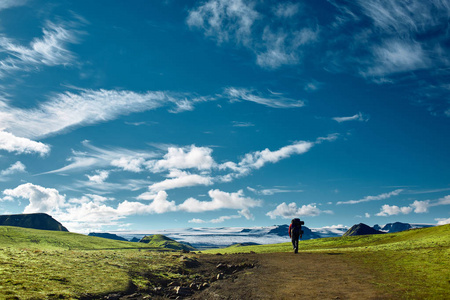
[(295, 232)]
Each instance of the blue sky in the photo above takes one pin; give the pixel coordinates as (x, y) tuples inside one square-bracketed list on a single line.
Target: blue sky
[(139, 115)]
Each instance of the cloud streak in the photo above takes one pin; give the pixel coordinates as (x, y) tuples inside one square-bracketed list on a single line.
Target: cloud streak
[(373, 198)]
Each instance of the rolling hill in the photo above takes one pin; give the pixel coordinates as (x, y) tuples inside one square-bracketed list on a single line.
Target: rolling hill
[(162, 241), (36, 221)]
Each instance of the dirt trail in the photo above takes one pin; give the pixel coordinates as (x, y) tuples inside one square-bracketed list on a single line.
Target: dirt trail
[(293, 276)]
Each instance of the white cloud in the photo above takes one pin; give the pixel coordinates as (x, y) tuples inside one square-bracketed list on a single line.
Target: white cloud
[(388, 210), (43, 200), (129, 163), (159, 205), (191, 157), (417, 206), (441, 221), (179, 179), (198, 221), (373, 198), (220, 200), (17, 167), (274, 100), (420, 206), (89, 211), (246, 214), (99, 178), (289, 211), (358, 117), (367, 215), (12, 143)]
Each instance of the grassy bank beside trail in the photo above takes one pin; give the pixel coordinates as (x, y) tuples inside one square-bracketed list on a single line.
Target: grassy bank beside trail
[(37, 264), (415, 264)]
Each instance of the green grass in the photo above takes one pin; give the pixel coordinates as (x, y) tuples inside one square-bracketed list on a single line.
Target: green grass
[(35, 264), (159, 240), (412, 264)]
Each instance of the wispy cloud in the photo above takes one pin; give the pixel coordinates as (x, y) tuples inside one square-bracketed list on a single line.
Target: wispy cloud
[(242, 213), (95, 157), (225, 20), (274, 100), (4, 4), (372, 198), (358, 117), (68, 110), (238, 22), (49, 50), (242, 124), (269, 192)]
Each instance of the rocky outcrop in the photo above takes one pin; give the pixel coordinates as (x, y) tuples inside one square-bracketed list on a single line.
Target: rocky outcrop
[(35, 221)]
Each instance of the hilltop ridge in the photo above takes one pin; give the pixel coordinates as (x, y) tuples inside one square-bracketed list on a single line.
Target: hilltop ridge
[(35, 221)]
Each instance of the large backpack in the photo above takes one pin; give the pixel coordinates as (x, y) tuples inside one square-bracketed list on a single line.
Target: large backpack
[(296, 228)]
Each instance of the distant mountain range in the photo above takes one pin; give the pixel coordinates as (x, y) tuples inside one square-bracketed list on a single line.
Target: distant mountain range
[(34, 221), (363, 229), (202, 238)]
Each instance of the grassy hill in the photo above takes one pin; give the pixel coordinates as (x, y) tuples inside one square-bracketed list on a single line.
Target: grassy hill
[(38, 264), (16, 237), (159, 240), (414, 263)]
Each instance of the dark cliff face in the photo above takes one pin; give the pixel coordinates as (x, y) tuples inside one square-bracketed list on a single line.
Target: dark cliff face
[(34, 221), (361, 229)]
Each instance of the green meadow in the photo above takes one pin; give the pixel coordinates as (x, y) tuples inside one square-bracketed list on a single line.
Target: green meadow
[(36, 264)]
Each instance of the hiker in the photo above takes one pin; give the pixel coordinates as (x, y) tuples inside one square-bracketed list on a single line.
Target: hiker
[(295, 232)]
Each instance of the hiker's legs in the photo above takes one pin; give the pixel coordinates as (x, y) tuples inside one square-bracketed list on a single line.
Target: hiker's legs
[(295, 242)]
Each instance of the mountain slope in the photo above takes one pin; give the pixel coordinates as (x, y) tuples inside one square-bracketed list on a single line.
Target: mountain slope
[(35, 221), (361, 229), (106, 235), (27, 238)]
